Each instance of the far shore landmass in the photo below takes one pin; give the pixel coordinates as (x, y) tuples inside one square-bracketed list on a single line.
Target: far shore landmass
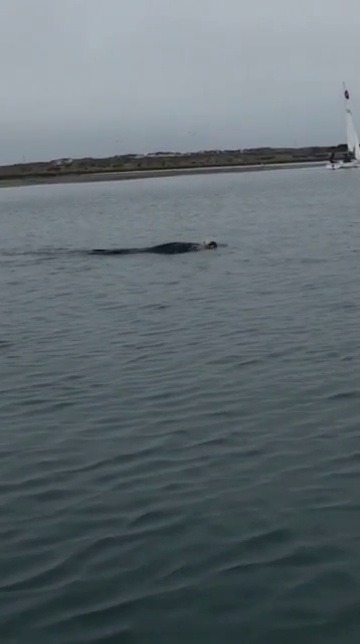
[(161, 164)]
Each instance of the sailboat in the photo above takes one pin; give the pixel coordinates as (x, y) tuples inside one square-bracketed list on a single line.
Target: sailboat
[(353, 155)]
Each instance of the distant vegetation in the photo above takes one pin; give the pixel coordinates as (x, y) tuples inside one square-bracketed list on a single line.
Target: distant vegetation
[(166, 160)]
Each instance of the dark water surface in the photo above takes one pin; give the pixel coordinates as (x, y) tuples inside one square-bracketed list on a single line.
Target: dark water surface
[(179, 436)]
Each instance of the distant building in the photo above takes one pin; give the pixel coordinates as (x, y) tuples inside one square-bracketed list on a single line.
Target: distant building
[(60, 163), (164, 154)]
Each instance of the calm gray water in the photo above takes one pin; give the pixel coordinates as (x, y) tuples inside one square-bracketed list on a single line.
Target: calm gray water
[(179, 436)]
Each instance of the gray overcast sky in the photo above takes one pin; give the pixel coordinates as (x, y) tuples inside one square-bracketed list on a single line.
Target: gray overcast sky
[(84, 77)]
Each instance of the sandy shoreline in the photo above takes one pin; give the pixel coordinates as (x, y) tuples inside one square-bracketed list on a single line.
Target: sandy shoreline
[(151, 174)]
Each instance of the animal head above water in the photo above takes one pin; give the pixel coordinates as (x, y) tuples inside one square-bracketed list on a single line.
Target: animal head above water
[(210, 245)]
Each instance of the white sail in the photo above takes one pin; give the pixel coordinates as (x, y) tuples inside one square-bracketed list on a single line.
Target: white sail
[(353, 160), (351, 134)]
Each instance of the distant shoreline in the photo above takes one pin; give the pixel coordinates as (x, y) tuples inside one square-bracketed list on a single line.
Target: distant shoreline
[(128, 175)]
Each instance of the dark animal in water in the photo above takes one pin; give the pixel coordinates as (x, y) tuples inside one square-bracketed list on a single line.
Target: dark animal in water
[(171, 248)]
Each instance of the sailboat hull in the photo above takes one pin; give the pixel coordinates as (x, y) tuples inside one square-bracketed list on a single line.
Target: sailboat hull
[(343, 166), (351, 164), (333, 166)]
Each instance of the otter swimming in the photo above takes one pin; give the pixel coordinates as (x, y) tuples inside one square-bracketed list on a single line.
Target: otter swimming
[(171, 248)]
